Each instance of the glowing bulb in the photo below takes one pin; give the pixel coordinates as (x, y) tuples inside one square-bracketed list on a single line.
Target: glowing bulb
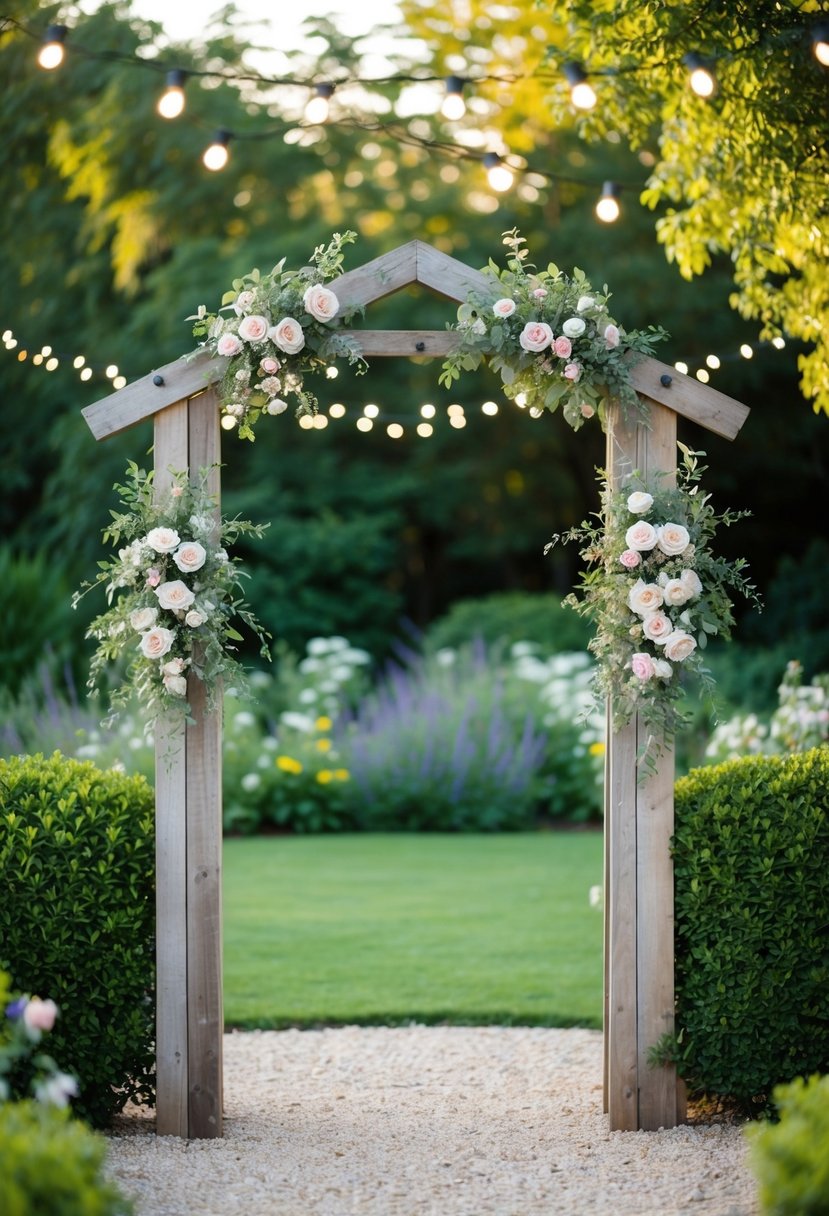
[(51, 54), (119, 382), (7, 335), (535, 412), (171, 101), (337, 410), (712, 361), (228, 421), (746, 351), (111, 371), (371, 411), (51, 364), (332, 372), (820, 44), (778, 343), (427, 411), (702, 79), (320, 422), (582, 93), (46, 351), (499, 175), (607, 208), (490, 408), (306, 421), (364, 424), (521, 400), (317, 109), (86, 374), (681, 367), (702, 375), (22, 356), (78, 361), (454, 106), (458, 421), (455, 410), (425, 429), (36, 359), (394, 430), (216, 155)]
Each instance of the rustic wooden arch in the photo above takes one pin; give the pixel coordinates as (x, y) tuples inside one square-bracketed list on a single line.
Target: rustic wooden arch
[(639, 922)]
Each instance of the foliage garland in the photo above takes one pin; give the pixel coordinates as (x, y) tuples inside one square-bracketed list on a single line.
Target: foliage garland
[(181, 591), (655, 593), (550, 337)]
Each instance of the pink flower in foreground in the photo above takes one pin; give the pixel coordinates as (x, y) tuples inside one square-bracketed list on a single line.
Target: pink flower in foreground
[(572, 372), (153, 577), (504, 307), (228, 345), (270, 366), (40, 1015), (630, 559), (642, 666), (288, 336), (535, 336), (611, 336), (540, 293), (563, 347)]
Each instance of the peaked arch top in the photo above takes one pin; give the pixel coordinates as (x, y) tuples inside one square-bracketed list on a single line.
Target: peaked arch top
[(415, 263)]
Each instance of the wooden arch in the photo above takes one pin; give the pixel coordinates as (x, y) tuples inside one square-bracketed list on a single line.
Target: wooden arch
[(639, 920)]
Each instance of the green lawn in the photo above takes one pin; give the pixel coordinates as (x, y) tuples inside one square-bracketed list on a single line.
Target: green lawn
[(432, 928)]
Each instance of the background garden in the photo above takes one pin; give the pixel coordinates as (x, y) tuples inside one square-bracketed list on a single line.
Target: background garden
[(426, 677)]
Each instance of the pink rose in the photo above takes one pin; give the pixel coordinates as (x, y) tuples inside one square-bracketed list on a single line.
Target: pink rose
[(572, 372), (611, 336), (641, 536), (190, 556), (503, 308), (175, 596), (630, 559), (678, 645), (163, 540), (155, 643), (40, 1015), (177, 685), (656, 627), (174, 667), (270, 366), (586, 411), (288, 336), (253, 328), (321, 303), (540, 293), (642, 666), (153, 577), (228, 345), (673, 539), (176, 491), (535, 336), (644, 598), (563, 347)]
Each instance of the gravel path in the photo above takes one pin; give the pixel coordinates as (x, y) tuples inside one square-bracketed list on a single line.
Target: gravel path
[(427, 1121)]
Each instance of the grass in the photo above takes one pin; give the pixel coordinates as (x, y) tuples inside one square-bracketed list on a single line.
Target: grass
[(387, 929)]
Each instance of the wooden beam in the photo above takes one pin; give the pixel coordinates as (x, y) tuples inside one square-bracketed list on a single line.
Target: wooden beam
[(380, 277), (447, 276), (143, 398), (688, 397), (412, 343)]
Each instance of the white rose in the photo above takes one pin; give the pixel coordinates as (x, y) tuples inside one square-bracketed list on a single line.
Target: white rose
[(641, 536), (656, 627), (662, 669), (644, 597), (194, 618), (155, 643), (678, 645), (503, 308), (639, 502), (574, 327), (173, 667), (276, 406), (321, 303), (584, 303), (175, 596), (163, 540), (611, 336), (672, 539), (177, 685), (228, 345), (143, 618), (190, 556), (691, 580), (253, 328), (288, 336), (676, 592), (270, 385), (203, 524), (244, 300)]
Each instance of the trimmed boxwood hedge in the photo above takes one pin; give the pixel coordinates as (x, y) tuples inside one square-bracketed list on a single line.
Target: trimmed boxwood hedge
[(77, 918), (751, 855)]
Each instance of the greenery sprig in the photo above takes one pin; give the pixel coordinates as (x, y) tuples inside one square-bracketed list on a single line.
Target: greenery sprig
[(655, 592), (179, 592), (281, 326), (551, 338)]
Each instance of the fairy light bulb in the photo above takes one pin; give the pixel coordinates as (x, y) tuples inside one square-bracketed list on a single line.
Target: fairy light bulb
[(607, 208), (52, 52), (499, 175), (701, 79), (171, 101), (820, 44), (454, 106), (317, 109), (582, 93), (216, 155)]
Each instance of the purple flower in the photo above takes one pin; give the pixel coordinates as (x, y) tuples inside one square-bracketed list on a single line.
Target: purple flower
[(15, 1009)]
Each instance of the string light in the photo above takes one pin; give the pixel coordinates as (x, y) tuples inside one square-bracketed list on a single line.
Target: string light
[(746, 351), (306, 421), (454, 106), (499, 175), (216, 155), (702, 79), (52, 52), (427, 411), (337, 410), (171, 102), (425, 430), (364, 424), (582, 93), (490, 408), (712, 361), (371, 411), (394, 430), (607, 208), (228, 422), (820, 44), (318, 108)]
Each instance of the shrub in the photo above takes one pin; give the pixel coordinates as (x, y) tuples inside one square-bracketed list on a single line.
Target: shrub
[(77, 917), (752, 906), (511, 616), (791, 1158), (52, 1164)]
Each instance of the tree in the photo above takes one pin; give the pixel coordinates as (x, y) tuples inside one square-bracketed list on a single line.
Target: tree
[(743, 173)]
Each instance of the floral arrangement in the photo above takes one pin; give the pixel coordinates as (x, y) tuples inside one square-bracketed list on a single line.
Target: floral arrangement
[(23, 1066), (551, 338), (181, 592), (280, 326), (656, 593)]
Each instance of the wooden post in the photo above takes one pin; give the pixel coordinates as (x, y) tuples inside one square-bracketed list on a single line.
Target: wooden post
[(639, 899), (189, 1021)]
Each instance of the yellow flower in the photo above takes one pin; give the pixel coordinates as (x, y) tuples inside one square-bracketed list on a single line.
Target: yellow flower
[(323, 723), (323, 745), (596, 749), (324, 776), (288, 764), (342, 774)]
